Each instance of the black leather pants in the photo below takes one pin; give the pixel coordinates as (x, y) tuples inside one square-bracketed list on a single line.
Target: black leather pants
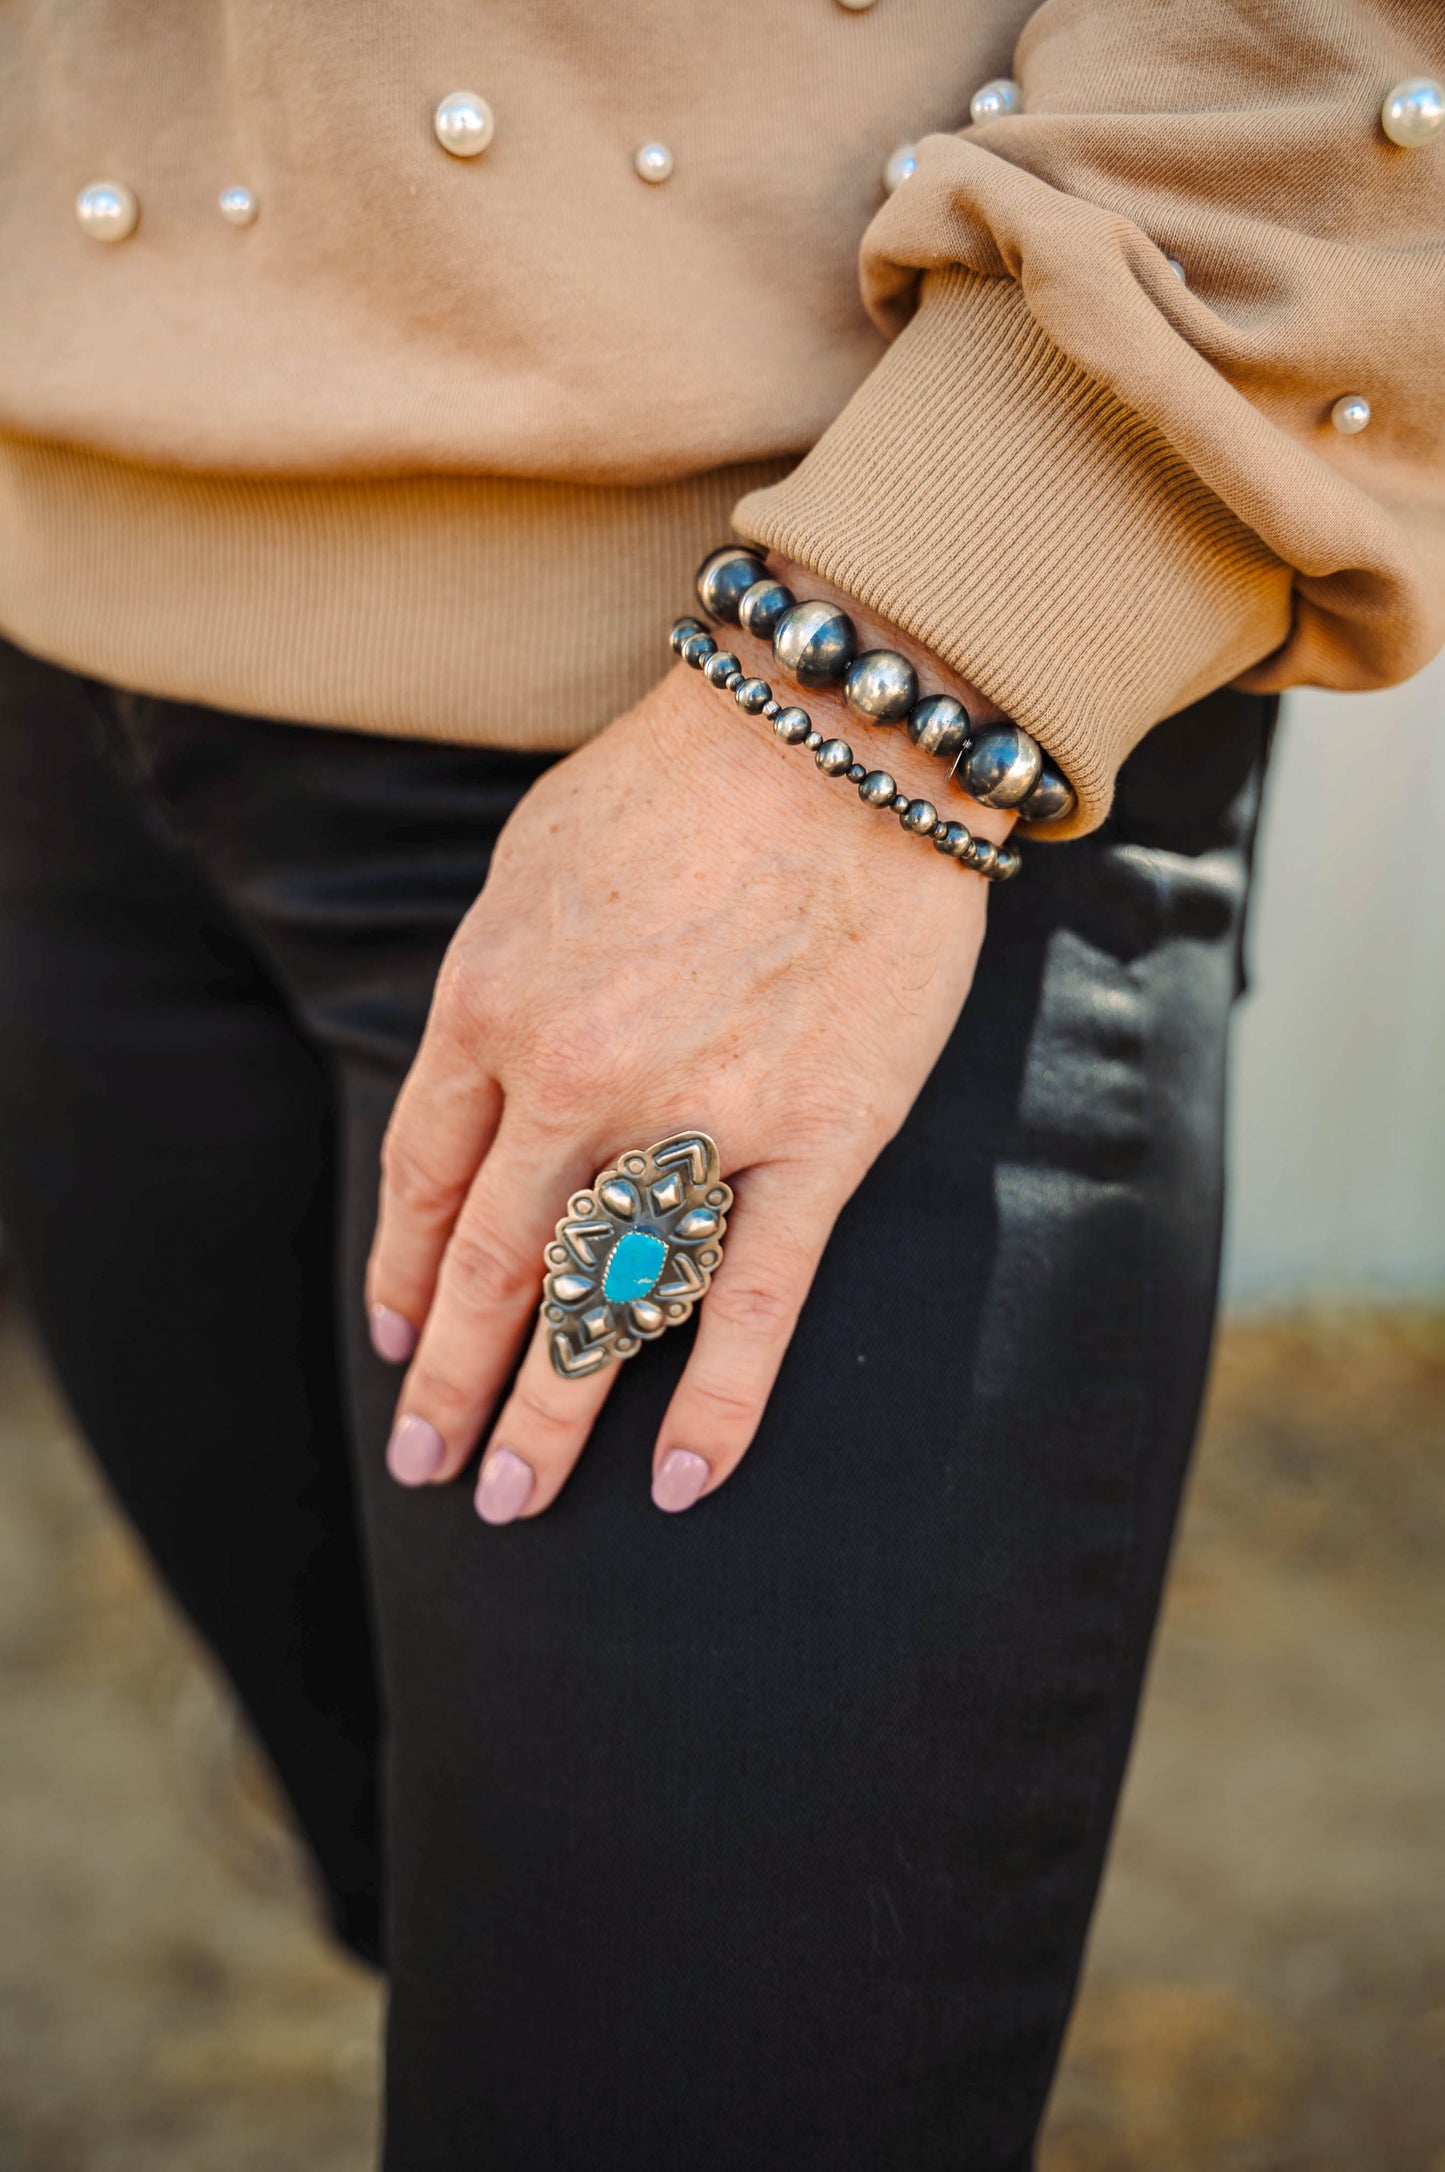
[(761, 1839)]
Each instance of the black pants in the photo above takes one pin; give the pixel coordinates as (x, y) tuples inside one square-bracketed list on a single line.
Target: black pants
[(762, 1839)]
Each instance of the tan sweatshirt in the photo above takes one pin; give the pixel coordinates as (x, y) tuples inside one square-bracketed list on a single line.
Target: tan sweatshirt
[(432, 445)]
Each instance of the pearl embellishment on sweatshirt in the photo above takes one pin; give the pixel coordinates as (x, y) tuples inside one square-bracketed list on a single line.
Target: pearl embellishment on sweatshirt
[(463, 124), (899, 166), (1414, 112), (1350, 414), (237, 206), (653, 162), (107, 210), (993, 100)]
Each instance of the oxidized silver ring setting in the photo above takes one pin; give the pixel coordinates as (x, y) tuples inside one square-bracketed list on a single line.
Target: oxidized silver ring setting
[(633, 1255)]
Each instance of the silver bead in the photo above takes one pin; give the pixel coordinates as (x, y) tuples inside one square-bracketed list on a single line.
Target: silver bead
[(718, 668), (1052, 797), (938, 725), (834, 757), (762, 606), (680, 630), (752, 695), (1414, 112), (107, 210), (984, 856), (1007, 864), (813, 741), (772, 709), (238, 206), (653, 162), (899, 803), (697, 649), (991, 101), (856, 773), (815, 642), (1350, 414), (919, 816), (792, 726), (463, 124), (955, 840), (724, 578), (1002, 766), (733, 680), (880, 685), (877, 789), (899, 166)]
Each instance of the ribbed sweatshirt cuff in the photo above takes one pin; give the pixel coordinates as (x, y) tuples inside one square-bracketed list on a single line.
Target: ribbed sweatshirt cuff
[(1008, 511)]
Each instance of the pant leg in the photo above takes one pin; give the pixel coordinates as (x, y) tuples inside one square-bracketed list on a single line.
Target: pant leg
[(168, 1172), (768, 1836)]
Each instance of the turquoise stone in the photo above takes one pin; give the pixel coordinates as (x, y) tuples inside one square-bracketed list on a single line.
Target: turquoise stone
[(633, 1266)]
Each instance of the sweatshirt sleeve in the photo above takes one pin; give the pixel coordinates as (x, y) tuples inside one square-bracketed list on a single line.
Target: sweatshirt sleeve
[(1098, 486)]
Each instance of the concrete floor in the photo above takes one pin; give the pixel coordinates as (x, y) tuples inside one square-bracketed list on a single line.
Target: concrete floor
[(1266, 1990)]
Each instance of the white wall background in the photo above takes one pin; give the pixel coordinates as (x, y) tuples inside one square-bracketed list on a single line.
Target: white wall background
[(1338, 1120)]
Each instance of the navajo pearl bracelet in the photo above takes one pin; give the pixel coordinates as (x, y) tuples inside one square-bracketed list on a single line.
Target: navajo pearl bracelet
[(817, 644), (696, 646)]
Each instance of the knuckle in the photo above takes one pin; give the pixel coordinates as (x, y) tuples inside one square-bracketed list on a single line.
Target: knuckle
[(434, 1391), (465, 1004), (752, 1306), (723, 1408), (538, 1420), (578, 1066), (411, 1183), (486, 1273)]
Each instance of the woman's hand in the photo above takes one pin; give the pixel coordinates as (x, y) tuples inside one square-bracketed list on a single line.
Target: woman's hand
[(686, 927)]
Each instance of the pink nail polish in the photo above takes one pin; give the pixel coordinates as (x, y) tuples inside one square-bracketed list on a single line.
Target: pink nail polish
[(392, 1337), (679, 1479), (505, 1486), (415, 1452)]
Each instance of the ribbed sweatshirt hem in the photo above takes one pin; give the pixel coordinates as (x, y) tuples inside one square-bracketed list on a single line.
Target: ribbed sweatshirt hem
[(480, 610)]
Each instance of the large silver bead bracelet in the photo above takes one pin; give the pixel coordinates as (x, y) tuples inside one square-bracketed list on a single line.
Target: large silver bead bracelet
[(816, 643)]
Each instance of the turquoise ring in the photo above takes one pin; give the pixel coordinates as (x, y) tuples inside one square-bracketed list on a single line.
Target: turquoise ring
[(634, 1253)]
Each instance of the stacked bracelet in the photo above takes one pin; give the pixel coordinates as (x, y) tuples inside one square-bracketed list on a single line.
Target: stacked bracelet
[(817, 644), (696, 646)]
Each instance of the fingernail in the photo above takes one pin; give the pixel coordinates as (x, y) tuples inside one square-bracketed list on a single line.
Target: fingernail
[(679, 1479), (415, 1451), (392, 1337), (505, 1486)]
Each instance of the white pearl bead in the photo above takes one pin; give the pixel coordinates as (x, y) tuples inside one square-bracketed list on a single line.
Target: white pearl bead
[(1177, 268), (463, 124), (855, 7), (237, 206), (1414, 112), (653, 161), (995, 99), (107, 210), (899, 166), (1350, 414)]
